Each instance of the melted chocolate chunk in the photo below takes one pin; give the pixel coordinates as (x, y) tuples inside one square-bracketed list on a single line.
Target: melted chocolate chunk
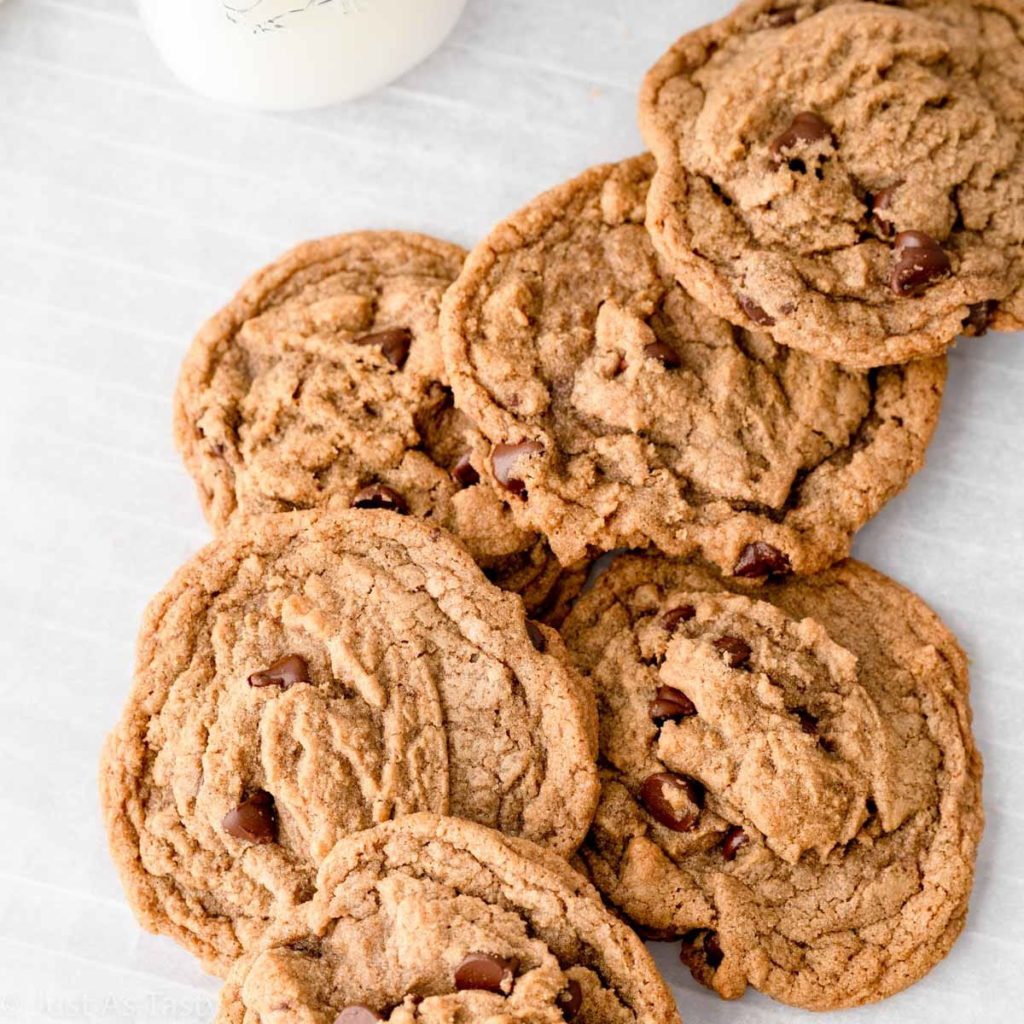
[(736, 651), (503, 461), (284, 672), (760, 559), (670, 704), (463, 472), (254, 819), (379, 496), (394, 344), (485, 971), (918, 263), (674, 801), (805, 128)]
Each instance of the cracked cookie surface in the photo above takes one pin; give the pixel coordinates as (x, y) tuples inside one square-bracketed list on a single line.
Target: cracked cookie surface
[(624, 413), (321, 385), (789, 780), (844, 175), (308, 675), (436, 920)]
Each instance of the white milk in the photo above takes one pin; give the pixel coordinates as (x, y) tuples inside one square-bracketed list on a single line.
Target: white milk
[(288, 54)]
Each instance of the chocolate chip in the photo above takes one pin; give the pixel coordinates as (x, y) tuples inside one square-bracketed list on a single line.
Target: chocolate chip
[(485, 971), (979, 316), (665, 354), (670, 704), (881, 202), (674, 616), (918, 262), (463, 472), (806, 127), (285, 672), (808, 723), (735, 837), (379, 496), (536, 635), (357, 1015), (755, 312), (672, 800), (393, 344), (503, 461), (570, 999), (736, 651), (760, 559), (254, 819)]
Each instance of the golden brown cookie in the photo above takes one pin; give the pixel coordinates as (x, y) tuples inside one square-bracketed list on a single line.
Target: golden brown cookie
[(437, 920), (321, 385), (789, 780), (845, 176), (307, 675), (623, 413)]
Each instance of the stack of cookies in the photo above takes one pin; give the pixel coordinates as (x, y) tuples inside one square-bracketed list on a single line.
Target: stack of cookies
[(402, 745)]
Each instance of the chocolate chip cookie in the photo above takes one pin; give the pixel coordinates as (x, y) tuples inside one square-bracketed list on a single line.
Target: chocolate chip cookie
[(439, 920), (623, 413), (789, 780), (845, 176), (321, 385), (310, 674)]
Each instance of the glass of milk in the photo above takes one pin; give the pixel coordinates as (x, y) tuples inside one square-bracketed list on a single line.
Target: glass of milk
[(291, 54)]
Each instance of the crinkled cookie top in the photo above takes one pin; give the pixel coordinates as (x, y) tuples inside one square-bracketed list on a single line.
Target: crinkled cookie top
[(321, 384), (435, 920), (621, 412), (308, 675), (846, 176), (789, 780)]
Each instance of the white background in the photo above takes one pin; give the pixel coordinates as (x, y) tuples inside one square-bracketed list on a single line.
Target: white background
[(129, 210)]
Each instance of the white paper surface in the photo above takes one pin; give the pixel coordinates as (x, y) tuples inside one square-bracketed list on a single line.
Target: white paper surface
[(129, 210)]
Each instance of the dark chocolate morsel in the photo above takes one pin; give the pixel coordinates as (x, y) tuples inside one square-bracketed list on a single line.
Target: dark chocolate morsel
[(806, 127), (284, 672), (665, 354), (760, 559), (674, 801), (463, 472), (736, 651), (485, 971), (393, 343), (918, 262), (670, 704), (734, 839), (681, 613), (503, 461), (379, 496), (254, 819)]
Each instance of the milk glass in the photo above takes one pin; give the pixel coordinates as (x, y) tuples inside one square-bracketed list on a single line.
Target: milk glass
[(290, 54)]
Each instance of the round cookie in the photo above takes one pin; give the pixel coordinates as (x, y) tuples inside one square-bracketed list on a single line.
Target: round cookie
[(846, 175), (437, 920), (307, 675), (789, 780), (623, 413), (321, 385)]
